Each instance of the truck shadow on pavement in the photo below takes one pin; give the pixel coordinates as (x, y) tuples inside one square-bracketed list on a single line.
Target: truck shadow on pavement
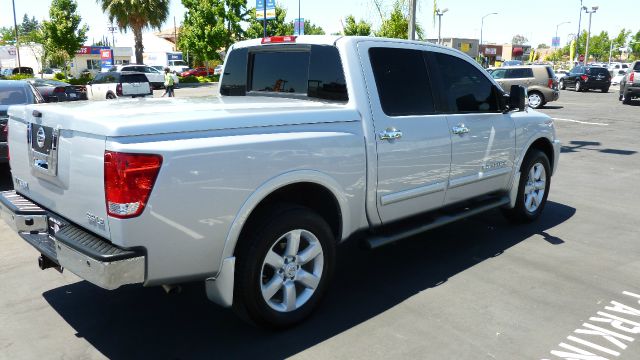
[(578, 145), (136, 322)]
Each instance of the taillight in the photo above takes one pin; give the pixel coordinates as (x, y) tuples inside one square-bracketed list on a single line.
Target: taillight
[(279, 39), (128, 181), (58, 90), (5, 133), (584, 77), (632, 76), (550, 83), (119, 89)]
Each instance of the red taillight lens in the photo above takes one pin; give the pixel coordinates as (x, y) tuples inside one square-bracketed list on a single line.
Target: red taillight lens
[(584, 77), (550, 84), (632, 76), (119, 89), (279, 39), (58, 90), (128, 180)]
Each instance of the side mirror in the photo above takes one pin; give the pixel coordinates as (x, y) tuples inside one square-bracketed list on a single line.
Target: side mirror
[(517, 98)]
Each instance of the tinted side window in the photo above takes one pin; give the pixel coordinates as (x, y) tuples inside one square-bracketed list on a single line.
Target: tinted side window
[(234, 79), (326, 77), (519, 73), (280, 71), (464, 87), (99, 79), (402, 81)]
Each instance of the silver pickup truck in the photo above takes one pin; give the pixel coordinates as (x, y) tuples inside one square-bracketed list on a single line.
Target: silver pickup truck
[(313, 140)]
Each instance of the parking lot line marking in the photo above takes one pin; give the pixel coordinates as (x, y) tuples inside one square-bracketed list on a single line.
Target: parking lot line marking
[(580, 122)]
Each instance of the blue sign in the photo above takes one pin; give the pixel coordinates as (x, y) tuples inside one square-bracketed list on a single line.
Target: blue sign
[(555, 41), (298, 27), (174, 56), (106, 59), (271, 9)]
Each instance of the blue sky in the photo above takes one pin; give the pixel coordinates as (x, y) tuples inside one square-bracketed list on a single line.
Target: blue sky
[(536, 20)]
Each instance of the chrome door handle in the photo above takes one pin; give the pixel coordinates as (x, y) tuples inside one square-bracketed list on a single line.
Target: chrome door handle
[(390, 134), (460, 129)]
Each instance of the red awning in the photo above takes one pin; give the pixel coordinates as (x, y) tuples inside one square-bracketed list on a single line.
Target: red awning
[(517, 51)]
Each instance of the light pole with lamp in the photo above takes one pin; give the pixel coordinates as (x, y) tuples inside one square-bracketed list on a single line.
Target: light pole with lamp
[(578, 33), (482, 24), (557, 26), (440, 13), (586, 50)]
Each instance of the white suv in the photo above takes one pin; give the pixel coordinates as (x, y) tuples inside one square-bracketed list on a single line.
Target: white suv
[(155, 76), (114, 84)]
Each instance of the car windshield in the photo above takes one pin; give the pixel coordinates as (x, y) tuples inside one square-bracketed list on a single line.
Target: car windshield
[(13, 96)]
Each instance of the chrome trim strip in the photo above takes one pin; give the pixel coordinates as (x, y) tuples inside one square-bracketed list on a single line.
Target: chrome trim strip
[(107, 275), (411, 193), (477, 177)]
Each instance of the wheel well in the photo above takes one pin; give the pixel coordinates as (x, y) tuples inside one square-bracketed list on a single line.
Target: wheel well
[(544, 145), (310, 195)]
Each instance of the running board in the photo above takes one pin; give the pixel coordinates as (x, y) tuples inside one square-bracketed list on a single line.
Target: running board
[(378, 240)]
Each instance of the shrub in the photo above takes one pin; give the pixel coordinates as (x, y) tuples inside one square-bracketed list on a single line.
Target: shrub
[(19, 77), (59, 76), (188, 79)]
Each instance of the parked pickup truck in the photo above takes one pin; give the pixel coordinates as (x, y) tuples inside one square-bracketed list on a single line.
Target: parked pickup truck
[(313, 140)]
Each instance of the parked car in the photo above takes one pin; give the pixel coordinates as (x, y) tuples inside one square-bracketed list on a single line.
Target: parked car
[(561, 73), (25, 70), (585, 78), (618, 76), (630, 84), (251, 192), (49, 73), (114, 84), (56, 91), (614, 67), (155, 76), (218, 70), (13, 92), (540, 81), (200, 71)]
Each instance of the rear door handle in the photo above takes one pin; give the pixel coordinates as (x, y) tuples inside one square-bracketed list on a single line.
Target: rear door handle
[(460, 129), (390, 134)]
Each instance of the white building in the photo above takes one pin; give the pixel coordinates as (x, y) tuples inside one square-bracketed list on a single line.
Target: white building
[(30, 56)]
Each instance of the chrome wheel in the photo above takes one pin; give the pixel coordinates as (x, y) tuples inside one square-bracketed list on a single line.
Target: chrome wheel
[(535, 100), (291, 270), (535, 187)]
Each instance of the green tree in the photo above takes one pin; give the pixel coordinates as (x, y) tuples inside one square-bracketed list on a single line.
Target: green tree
[(519, 40), (635, 45), (136, 15), (351, 27), (63, 35), (28, 25), (543, 46), (7, 35), (396, 24), (211, 26)]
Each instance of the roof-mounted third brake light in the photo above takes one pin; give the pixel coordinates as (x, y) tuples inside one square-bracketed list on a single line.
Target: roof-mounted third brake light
[(279, 39)]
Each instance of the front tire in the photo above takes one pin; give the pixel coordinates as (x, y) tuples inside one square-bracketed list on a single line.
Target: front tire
[(284, 264), (533, 188), (110, 96)]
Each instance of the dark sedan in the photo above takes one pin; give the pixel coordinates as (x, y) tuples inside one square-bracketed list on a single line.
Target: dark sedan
[(53, 90), (13, 92), (583, 78)]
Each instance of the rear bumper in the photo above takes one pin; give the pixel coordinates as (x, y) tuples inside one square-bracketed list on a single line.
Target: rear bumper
[(90, 257), (4, 152), (629, 91)]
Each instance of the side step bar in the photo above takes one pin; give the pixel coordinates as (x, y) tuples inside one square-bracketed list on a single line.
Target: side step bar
[(379, 240)]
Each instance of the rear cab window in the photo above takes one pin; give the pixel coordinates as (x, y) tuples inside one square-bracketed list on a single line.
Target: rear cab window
[(312, 71), (598, 71), (134, 78)]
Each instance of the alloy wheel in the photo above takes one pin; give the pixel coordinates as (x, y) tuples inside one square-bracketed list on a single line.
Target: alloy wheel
[(535, 187)]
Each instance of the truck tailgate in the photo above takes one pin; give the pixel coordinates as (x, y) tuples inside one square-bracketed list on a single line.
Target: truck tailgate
[(60, 169)]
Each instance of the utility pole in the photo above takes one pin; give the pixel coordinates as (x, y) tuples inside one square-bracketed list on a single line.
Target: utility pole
[(264, 18), (482, 24), (15, 25), (112, 29), (586, 50), (412, 19), (440, 13), (557, 26)]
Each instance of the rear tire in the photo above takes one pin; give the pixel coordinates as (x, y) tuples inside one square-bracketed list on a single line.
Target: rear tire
[(578, 86), (605, 90), (536, 100), (284, 264), (562, 85), (626, 99), (533, 188)]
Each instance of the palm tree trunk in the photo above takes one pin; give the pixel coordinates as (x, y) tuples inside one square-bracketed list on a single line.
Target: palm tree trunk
[(137, 34)]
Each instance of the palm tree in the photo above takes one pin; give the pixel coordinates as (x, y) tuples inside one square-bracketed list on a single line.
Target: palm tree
[(136, 15)]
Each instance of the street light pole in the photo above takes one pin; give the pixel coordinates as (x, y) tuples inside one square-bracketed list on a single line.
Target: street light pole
[(586, 50), (578, 33), (557, 26), (412, 19), (15, 25), (482, 24), (440, 13)]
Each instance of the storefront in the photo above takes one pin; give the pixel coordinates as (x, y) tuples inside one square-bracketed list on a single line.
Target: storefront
[(88, 59), (492, 55)]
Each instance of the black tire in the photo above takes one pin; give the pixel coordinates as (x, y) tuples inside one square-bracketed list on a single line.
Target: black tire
[(605, 89), (620, 96), (520, 213), (263, 236), (562, 85), (578, 86), (110, 96), (626, 99)]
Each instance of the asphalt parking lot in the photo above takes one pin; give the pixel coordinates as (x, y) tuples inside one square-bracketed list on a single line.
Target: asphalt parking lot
[(480, 289)]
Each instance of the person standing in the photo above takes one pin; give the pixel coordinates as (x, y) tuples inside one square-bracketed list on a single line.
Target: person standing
[(168, 83)]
